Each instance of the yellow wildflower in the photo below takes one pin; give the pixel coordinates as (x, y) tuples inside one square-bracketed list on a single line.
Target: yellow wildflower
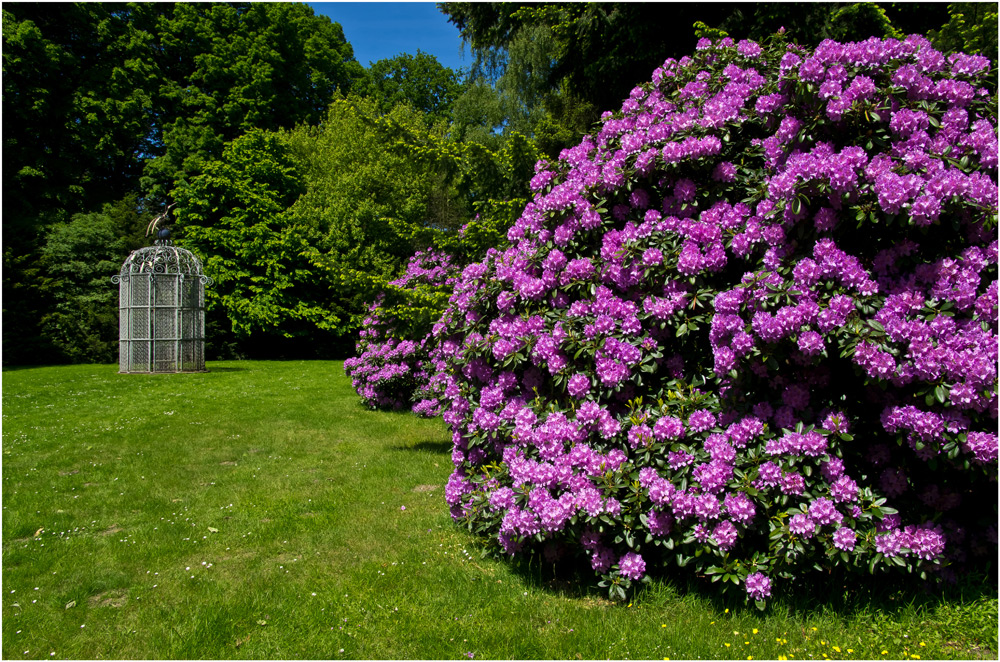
[(755, 630), (836, 648)]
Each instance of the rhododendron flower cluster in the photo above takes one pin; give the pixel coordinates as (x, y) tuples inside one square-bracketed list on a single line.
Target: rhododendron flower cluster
[(748, 327), (391, 369)]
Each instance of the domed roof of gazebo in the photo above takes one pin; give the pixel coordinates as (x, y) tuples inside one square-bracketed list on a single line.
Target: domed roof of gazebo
[(163, 258)]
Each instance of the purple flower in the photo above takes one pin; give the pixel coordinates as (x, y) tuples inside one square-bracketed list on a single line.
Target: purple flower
[(632, 565), (739, 507), (660, 523), (844, 539), (724, 534), (802, 525), (601, 559), (823, 512), (758, 586), (578, 385), (701, 420), (890, 544), (811, 343)]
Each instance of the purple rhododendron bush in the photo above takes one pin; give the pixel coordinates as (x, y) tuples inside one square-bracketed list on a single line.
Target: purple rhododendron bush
[(748, 328), (391, 370)]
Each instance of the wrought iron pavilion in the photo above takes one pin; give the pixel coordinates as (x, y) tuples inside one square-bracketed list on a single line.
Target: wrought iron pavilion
[(161, 295)]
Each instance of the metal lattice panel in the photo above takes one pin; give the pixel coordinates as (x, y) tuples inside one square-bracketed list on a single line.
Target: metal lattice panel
[(161, 292)]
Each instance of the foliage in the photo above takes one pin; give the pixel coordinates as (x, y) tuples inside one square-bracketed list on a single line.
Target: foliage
[(748, 328), (518, 77), (417, 80), (77, 262), (369, 199), (229, 68), (77, 93), (235, 217)]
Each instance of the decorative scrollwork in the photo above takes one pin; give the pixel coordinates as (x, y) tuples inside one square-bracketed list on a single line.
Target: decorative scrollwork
[(163, 258)]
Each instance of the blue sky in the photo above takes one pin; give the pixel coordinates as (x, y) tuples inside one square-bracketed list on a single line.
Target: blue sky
[(378, 30)]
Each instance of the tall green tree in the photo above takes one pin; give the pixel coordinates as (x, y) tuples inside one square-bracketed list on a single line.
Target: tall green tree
[(417, 80), (230, 68), (370, 199), (79, 85), (77, 260), (235, 215), (295, 226)]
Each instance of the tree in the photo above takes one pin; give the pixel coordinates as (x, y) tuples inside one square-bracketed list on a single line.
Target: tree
[(417, 80), (78, 88), (367, 197), (77, 260), (513, 91), (235, 216), (229, 68), (295, 226)]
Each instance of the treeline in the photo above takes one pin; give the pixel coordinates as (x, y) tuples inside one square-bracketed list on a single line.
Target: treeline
[(302, 178)]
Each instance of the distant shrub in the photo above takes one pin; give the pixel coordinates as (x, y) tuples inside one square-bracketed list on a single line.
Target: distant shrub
[(749, 327), (391, 368)]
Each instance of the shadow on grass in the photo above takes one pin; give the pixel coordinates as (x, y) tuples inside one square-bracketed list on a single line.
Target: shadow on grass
[(435, 447), (844, 595)]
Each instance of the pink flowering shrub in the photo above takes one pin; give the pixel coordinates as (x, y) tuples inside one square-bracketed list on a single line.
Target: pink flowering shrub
[(749, 327), (391, 369)]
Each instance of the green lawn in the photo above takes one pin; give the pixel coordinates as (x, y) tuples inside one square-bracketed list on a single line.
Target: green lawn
[(258, 511)]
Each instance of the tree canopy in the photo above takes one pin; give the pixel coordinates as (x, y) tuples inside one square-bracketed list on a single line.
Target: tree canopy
[(416, 80)]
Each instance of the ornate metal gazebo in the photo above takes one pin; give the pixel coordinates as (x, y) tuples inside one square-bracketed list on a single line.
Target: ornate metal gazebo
[(161, 302)]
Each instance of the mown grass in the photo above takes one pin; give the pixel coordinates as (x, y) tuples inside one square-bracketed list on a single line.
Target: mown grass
[(258, 511)]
